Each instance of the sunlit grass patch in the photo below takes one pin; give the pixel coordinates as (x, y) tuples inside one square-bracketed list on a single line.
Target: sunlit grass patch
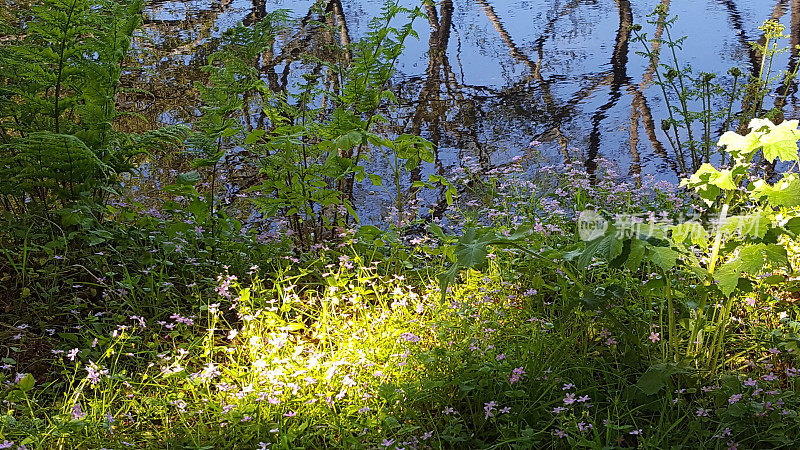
[(361, 361)]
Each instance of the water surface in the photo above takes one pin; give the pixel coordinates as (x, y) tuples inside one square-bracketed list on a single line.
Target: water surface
[(488, 77)]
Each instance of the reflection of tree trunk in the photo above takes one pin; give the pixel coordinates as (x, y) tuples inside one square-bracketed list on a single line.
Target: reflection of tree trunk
[(257, 13), (201, 21), (640, 110), (633, 141), (777, 12), (429, 96), (335, 7), (639, 103), (203, 16), (430, 108), (738, 27), (619, 61), (335, 20), (535, 68), (501, 30), (785, 91), (751, 100)]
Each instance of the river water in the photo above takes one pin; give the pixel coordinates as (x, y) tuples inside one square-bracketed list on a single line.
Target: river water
[(488, 77)]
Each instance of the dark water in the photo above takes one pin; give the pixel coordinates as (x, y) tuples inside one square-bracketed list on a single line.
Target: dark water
[(487, 77)]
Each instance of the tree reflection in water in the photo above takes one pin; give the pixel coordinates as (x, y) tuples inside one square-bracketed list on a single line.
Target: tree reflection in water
[(496, 75)]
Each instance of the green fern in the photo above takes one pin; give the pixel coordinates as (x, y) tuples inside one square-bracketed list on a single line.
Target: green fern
[(58, 83)]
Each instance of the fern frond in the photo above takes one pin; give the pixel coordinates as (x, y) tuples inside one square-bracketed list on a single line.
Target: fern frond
[(49, 160)]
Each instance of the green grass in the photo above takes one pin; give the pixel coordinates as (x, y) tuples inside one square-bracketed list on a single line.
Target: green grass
[(352, 357), (147, 341)]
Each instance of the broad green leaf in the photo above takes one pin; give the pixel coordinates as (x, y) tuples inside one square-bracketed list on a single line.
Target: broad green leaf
[(588, 253), (749, 260), (607, 246), (26, 383), (793, 225), (722, 179), (663, 257), (776, 255), (349, 140), (447, 278), (470, 251), (755, 225), (610, 247), (727, 277), (690, 232), (736, 143), (708, 193), (592, 302), (229, 131), (449, 193), (785, 192), (752, 259), (708, 174), (636, 254), (437, 231), (656, 378), (376, 179), (472, 248), (781, 140), (369, 232), (520, 233), (707, 182)]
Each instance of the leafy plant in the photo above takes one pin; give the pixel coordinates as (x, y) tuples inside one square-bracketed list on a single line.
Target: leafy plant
[(676, 82), (58, 141), (311, 153), (751, 219)]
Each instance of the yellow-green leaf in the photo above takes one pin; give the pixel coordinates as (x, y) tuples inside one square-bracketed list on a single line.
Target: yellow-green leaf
[(785, 192), (781, 140), (736, 143)]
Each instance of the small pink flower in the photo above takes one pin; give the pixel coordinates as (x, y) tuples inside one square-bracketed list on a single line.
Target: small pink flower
[(516, 375), (489, 409), (654, 337)]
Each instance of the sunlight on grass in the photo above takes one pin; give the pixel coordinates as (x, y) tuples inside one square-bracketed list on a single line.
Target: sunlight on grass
[(351, 366)]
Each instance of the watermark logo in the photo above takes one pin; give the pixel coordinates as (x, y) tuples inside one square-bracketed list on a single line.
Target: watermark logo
[(591, 225)]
